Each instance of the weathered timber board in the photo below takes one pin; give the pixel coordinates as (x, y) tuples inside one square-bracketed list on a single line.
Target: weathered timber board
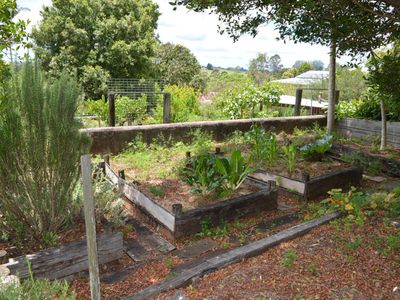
[(357, 128), (387, 165), (153, 208), (281, 181), (343, 179), (189, 222), (230, 257), (68, 259)]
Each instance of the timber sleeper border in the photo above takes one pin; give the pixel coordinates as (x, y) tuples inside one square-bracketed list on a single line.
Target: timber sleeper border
[(180, 223), (231, 257), (311, 188)]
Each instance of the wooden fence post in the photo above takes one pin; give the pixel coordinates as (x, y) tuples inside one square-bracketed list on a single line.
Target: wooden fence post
[(297, 104), (167, 108), (337, 95), (111, 110), (90, 224)]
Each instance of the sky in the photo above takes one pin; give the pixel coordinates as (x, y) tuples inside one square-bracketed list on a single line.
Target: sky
[(199, 33)]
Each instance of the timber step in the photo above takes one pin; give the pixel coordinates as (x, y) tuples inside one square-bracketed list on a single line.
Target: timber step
[(146, 243)]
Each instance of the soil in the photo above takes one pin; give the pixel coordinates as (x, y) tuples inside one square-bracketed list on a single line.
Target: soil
[(314, 169)]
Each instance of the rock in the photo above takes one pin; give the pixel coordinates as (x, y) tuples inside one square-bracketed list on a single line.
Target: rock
[(8, 281), (378, 179), (4, 271), (179, 295)]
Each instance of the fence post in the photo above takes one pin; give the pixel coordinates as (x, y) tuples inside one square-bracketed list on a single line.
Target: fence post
[(111, 110), (297, 104), (90, 224), (167, 108), (337, 94)]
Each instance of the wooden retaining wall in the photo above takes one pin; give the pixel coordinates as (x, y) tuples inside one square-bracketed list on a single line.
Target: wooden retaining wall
[(114, 139), (356, 128), (316, 186), (61, 262), (386, 165)]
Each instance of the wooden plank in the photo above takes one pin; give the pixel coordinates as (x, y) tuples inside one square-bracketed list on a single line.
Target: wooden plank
[(68, 259), (230, 257), (343, 179), (154, 209), (281, 181), (190, 221), (90, 226)]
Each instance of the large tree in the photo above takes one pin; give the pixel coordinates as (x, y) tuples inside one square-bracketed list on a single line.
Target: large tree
[(11, 32), (97, 39), (177, 64), (347, 26)]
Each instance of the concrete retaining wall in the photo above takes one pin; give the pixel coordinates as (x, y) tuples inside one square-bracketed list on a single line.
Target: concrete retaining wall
[(115, 139), (356, 128)]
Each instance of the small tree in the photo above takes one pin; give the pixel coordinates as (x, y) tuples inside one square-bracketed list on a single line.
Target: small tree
[(39, 153), (384, 79)]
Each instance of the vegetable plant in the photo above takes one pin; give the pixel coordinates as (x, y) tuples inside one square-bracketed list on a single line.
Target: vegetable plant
[(234, 170), (316, 150), (289, 153), (202, 174), (263, 145)]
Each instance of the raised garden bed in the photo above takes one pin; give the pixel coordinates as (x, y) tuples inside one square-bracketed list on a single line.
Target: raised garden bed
[(313, 187), (180, 222), (374, 162)]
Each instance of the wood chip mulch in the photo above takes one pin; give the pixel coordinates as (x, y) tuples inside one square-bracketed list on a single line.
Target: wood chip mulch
[(330, 263)]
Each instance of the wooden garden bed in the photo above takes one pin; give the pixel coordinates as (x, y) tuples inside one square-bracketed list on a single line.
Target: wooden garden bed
[(181, 222), (313, 187), (386, 165)]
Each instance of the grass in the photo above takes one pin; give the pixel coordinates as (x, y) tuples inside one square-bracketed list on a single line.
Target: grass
[(288, 258)]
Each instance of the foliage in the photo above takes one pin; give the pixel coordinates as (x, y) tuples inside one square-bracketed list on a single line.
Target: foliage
[(11, 31), (348, 109), (98, 38), (210, 174), (288, 258), (358, 205), (39, 153), (384, 77), (290, 153), (130, 110), (185, 104), (315, 151), (258, 69), (203, 175), (177, 64), (351, 83), (109, 202), (234, 171), (99, 108), (263, 145), (247, 100)]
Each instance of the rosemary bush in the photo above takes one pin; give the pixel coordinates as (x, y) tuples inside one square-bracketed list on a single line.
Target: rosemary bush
[(39, 153)]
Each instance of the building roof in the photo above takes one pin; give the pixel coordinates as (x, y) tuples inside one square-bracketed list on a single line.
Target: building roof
[(305, 78), (291, 100)]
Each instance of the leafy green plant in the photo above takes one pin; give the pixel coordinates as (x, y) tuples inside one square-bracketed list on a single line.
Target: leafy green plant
[(39, 153), (288, 258), (315, 151), (290, 153), (234, 171), (128, 110), (37, 289), (157, 190), (263, 145), (202, 174)]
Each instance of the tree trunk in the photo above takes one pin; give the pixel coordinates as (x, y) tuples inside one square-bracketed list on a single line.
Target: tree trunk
[(332, 88), (384, 126)]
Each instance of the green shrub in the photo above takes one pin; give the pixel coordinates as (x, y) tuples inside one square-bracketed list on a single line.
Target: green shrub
[(315, 151), (263, 146), (39, 153), (184, 103), (128, 110), (348, 109)]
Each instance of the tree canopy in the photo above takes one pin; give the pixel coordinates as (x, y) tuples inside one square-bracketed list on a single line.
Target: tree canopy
[(11, 32), (97, 39), (177, 64)]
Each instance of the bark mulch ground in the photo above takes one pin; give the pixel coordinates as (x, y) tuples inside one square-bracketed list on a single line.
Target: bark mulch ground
[(331, 262)]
